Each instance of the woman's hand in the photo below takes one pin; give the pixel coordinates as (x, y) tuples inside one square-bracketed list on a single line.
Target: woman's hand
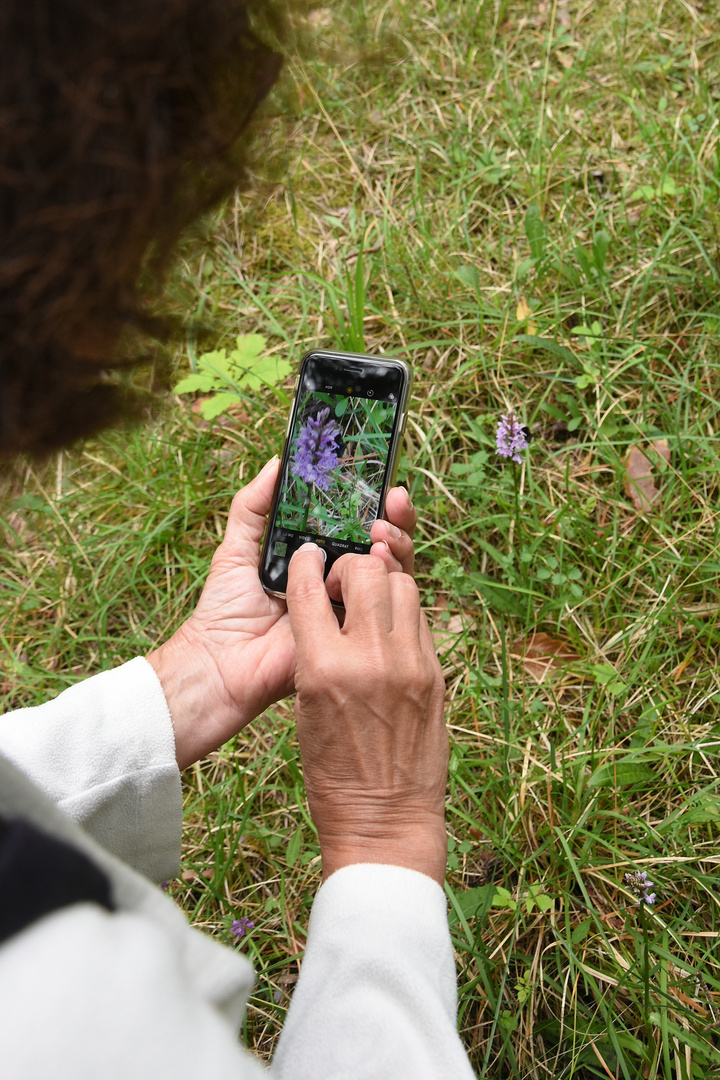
[(235, 655), (369, 712)]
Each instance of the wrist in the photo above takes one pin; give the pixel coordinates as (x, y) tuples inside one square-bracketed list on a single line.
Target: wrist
[(417, 847), (195, 698)]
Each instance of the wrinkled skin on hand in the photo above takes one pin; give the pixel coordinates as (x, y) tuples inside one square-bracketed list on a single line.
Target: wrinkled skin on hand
[(235, 655), (369, 712)]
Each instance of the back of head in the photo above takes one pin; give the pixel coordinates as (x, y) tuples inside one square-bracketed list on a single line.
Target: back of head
[(120, 122)]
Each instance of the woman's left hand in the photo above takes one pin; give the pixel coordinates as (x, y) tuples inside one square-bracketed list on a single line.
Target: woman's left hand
[(235, 655)]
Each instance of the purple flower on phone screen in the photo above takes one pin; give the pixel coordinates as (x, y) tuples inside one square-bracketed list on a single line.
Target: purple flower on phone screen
[(316, 450)]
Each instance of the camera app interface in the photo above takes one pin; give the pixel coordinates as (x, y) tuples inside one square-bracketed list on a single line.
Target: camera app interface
[(334, 475)]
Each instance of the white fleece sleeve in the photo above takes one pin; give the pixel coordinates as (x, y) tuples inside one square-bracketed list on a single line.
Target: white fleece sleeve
[(89, 995), (104, 752), (377, 996)]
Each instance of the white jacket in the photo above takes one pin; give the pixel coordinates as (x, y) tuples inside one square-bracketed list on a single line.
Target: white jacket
[(89, 994)]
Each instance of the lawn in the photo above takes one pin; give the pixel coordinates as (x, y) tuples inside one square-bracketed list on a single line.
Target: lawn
[(520, 199)]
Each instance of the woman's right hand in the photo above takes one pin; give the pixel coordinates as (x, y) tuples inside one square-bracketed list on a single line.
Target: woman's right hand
[(369, 711)]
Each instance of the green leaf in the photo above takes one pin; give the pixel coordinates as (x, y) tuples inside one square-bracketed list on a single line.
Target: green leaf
[(601, 244), (621, 774), (537, 898), (700, 810), (581, 256), (524, 268), (469, 276), (244, 367), (581, 932), (603, 673), (217, 365), (502, 898), (250, 369), (194, 382), (547, 345), (606, 675), (471, 903), (645, 191), (507, 1021), (536, 232), (341, 407), (268, 371), (248, 348), (218, 404), (708, 1052), (500, 597), (30, 502), (292, 854), (593, 332)]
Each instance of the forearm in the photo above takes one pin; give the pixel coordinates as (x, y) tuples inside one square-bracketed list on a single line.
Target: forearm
[(376, 997), (104, 752)]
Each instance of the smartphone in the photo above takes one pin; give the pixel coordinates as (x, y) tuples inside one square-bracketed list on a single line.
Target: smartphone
[(340, 458)]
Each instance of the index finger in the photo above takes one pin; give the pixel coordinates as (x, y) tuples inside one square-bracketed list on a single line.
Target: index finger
[(312, 619), (362, 581)]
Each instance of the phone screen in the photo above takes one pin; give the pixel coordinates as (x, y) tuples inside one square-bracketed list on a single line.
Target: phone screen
[(334, 476), (334, 471)]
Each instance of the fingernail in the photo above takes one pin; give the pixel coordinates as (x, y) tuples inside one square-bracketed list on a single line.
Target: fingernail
[(309, 546), (392, 530), (387, 546), (407, 496), (268, 464)]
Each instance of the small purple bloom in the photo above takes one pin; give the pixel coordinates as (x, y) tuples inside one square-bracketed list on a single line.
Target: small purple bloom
[(316, 450), (639, 886), (241, 926), (512, 437)]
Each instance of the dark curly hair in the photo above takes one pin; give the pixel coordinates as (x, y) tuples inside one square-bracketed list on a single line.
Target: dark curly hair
[(119, 124)]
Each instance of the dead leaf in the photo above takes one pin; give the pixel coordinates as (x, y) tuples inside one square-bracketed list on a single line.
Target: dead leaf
[(700, 611), (523, 312), (447, 636), (541, 653), (691, 1003), (639, 483), (487, 862), (680, 668)]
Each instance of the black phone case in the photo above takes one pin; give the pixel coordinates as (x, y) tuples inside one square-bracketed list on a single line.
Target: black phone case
[(393, 453)]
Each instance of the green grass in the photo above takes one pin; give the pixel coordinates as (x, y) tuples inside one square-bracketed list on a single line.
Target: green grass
[(450, 165)]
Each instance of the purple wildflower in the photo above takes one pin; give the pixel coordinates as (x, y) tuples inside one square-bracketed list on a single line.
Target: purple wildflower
[(241, 926), (512, 437), (639, 886), (316, 450)]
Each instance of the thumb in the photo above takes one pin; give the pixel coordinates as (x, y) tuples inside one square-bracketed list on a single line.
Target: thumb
[(250, 508)]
